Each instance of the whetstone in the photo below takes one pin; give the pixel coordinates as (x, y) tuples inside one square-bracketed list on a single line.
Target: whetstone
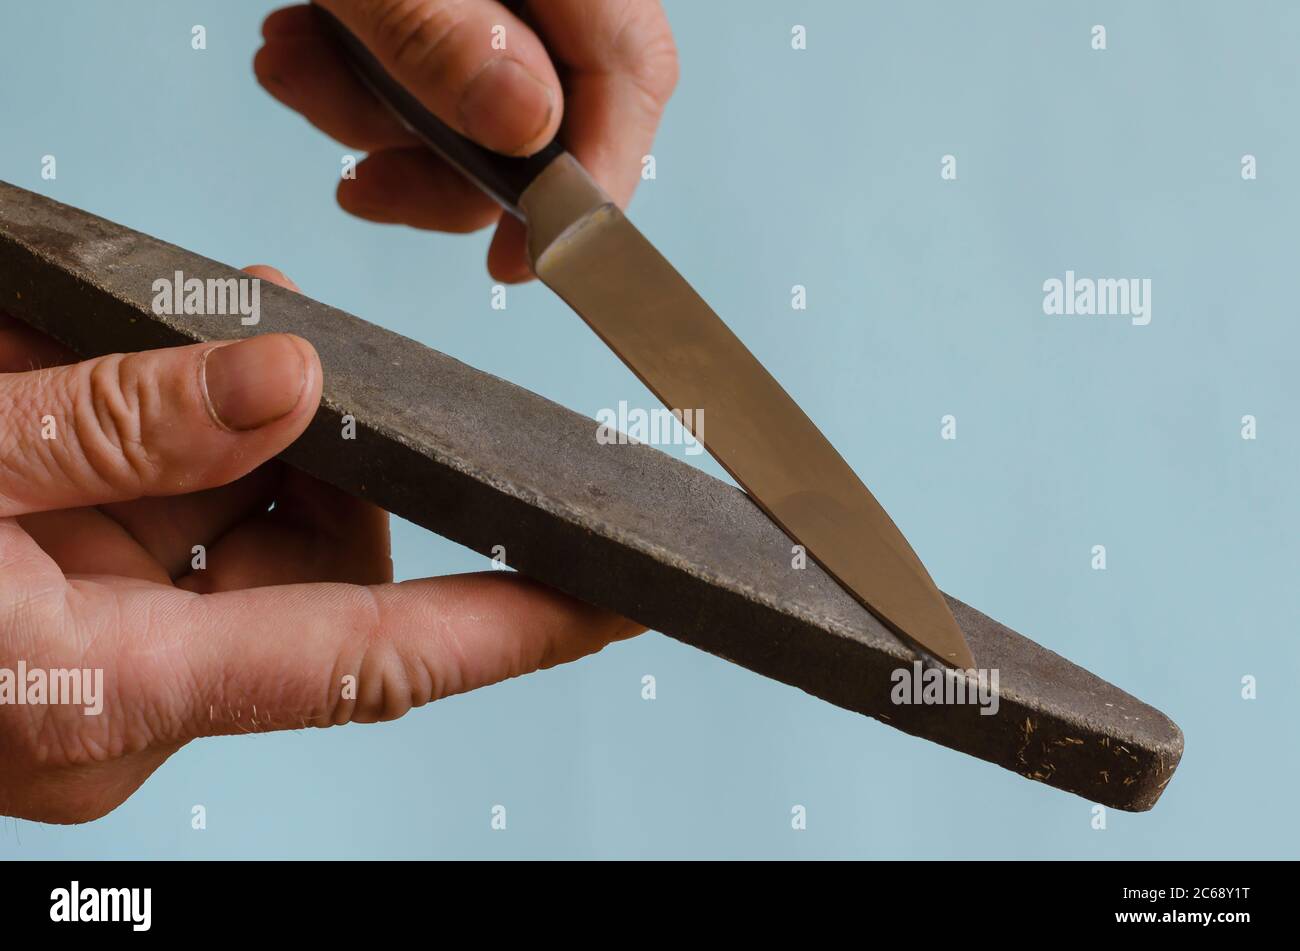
[(627, 527)]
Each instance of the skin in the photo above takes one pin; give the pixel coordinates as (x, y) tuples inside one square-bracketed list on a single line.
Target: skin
[(158, 452), (598, 72)]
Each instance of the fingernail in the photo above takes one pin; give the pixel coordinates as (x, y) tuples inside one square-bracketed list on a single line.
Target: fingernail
[(501, 106), (254, 382)]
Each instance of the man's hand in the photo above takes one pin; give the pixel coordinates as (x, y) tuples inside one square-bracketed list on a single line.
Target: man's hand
[(112, 471), (616, 58)]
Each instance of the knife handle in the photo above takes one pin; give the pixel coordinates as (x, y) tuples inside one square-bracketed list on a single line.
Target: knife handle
[(503, 177)]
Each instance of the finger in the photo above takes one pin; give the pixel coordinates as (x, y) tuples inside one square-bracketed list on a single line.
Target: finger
[(315, 533), (26, 572), (82, 540), (287, 650), (299, 64), (623, 68), (157, 423), (169, 528), (414, 187), (612, 130), (296, 20), (403, 182), (86, 541), (25, 348), (264, 272), (507, 259), (446, 52)]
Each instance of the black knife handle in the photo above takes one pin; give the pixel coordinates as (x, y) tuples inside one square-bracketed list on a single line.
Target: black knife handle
[(503, 177)]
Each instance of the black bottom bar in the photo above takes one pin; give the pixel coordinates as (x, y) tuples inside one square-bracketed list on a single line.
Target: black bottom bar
[(1039, 902)]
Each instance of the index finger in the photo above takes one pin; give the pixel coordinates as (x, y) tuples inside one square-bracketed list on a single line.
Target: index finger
[(473, 63)]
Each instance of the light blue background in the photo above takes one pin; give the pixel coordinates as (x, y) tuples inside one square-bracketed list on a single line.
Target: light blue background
[(820, 168)]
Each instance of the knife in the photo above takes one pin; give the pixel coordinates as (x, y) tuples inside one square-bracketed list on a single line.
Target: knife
[(584, 249)]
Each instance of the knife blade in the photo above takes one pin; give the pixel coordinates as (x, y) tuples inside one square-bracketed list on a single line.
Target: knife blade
[(582, 247)]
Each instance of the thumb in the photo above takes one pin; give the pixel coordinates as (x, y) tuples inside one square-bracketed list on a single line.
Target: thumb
[(161, 422), (473, 63)]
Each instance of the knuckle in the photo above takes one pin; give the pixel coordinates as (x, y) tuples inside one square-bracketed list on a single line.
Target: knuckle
[(659, 86), (647, 46), (109, 410), (387, 684), (28, 404), (659, 70), (410, 33)]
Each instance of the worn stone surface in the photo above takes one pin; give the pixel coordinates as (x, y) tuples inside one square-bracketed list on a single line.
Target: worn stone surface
[(487, 463)]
